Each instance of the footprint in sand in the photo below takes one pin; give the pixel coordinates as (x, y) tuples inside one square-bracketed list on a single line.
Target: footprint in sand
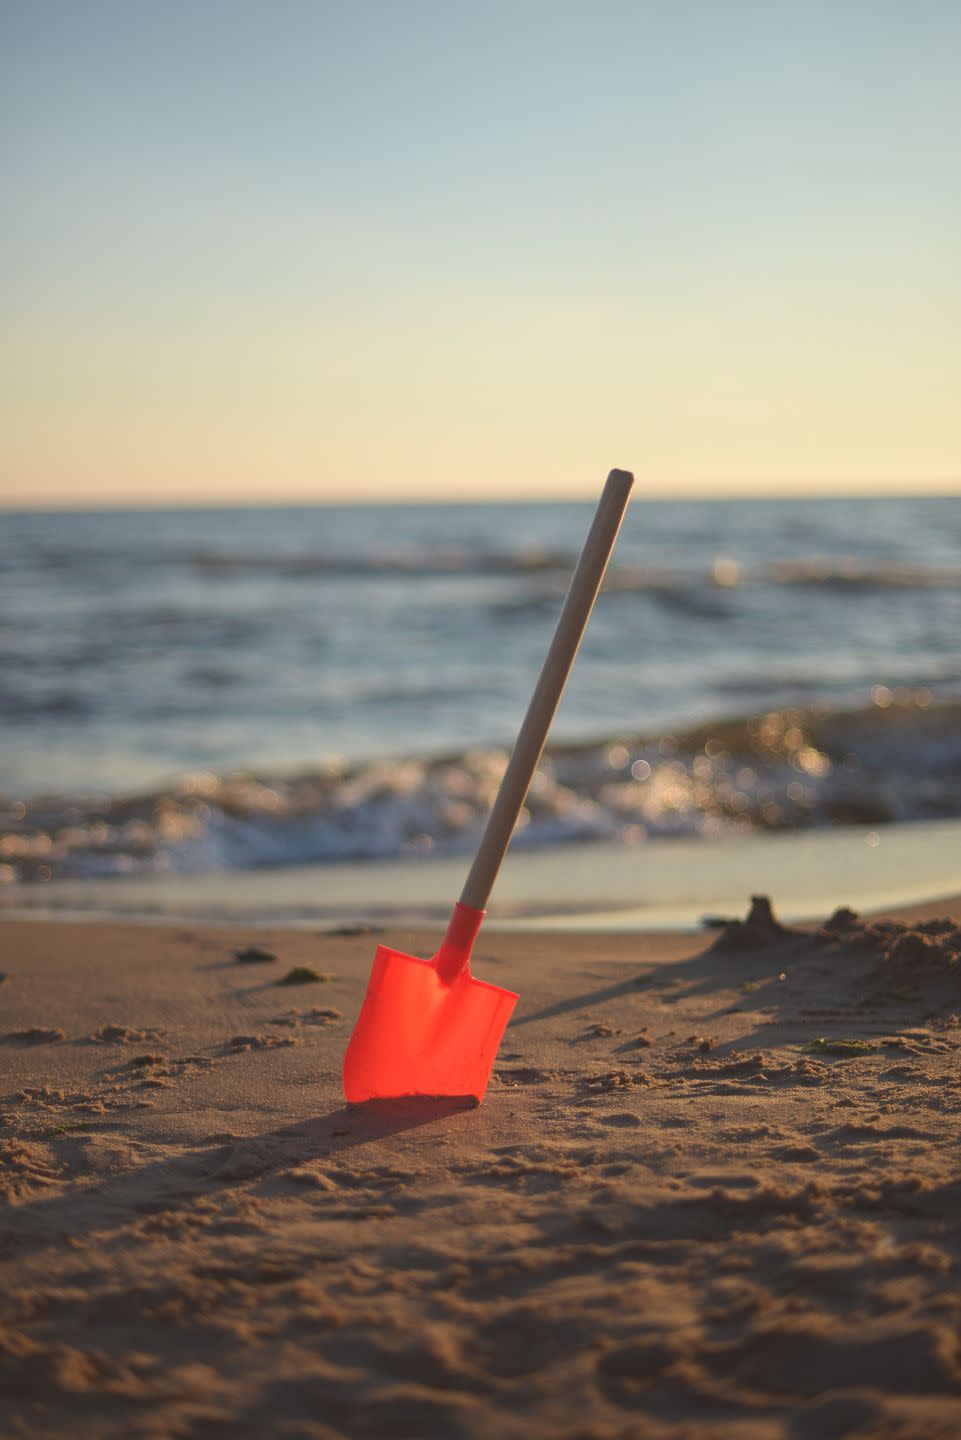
[(621, 1119), (524, 1075), (35, 1035), (124, 1035), (608, 1080), (600, 1030), (237, 1044), (154, 1071), (294, 1019)]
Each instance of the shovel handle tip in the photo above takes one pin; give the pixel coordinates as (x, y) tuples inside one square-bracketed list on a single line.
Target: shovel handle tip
[(580, 599)]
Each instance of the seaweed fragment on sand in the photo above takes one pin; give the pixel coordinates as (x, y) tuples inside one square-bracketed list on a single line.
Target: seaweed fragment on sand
[(844, 1049)]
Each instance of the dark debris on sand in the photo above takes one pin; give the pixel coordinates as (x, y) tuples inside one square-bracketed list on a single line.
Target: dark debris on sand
[(253, 955), (303, 975), (352, 929)]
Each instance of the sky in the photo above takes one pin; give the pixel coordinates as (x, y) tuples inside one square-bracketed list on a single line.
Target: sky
[(444, 249)]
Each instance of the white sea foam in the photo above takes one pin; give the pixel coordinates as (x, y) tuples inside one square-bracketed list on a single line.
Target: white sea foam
[(899, 759)]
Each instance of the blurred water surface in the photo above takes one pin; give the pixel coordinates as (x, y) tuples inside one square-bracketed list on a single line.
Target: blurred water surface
[(138, 647)]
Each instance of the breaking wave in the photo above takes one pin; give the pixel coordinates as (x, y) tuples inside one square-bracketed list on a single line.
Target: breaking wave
[(898, 759)]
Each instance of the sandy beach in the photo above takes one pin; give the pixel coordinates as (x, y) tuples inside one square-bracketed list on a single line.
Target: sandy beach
[(713, 1190), (502, 457)]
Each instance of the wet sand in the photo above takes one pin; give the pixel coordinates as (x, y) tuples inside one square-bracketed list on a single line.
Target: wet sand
[(714, 1190), (661, 885)]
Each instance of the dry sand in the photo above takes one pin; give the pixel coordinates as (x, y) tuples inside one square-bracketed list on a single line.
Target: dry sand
[(674, 1215)]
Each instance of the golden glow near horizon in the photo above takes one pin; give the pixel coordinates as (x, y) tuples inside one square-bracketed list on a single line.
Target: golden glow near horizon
[(737, 277)]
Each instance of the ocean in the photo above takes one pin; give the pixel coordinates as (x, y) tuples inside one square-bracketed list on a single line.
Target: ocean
[(195, 690)]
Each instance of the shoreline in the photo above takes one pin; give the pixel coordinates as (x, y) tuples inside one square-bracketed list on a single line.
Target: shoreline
[(660, 885)]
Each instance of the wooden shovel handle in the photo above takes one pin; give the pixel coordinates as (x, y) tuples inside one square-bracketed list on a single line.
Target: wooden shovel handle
[(550, 686)]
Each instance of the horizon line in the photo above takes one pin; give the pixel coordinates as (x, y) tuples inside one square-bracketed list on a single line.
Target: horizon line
[(929, 490)]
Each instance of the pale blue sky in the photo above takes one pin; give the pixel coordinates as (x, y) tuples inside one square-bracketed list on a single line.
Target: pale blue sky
[(299, 250)]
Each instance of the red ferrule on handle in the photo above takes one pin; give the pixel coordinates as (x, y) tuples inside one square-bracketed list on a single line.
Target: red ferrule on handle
[(454, 953)]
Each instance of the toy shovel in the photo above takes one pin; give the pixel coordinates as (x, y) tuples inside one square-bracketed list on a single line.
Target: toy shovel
[(429, 1027)]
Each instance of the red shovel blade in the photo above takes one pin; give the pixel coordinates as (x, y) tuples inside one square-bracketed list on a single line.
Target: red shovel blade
[(427, 1027)]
